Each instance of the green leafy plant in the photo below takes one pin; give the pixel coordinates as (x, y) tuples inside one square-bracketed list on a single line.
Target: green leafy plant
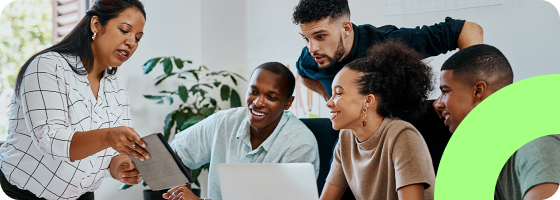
[(25, 29), (195, 101)]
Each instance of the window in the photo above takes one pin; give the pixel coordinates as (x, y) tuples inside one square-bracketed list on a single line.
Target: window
[(66, 15), (27, 27)]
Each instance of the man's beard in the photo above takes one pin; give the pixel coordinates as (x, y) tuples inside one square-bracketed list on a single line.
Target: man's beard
[(337, 55)]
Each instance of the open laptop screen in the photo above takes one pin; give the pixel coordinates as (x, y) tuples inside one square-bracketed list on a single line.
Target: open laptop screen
[(271, 181)]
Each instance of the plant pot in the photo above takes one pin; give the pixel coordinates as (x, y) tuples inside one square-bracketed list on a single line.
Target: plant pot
[(154, 195)]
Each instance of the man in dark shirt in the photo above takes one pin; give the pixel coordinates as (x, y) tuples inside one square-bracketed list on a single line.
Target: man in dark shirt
[(332, 41)]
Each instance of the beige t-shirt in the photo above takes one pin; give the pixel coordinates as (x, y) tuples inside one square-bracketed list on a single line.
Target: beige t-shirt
[(395, 156)]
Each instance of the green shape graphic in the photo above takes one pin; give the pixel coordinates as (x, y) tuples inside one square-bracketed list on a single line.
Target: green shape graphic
[(492, 132)]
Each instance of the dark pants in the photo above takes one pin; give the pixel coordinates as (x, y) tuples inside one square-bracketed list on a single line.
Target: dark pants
[(15, 193)]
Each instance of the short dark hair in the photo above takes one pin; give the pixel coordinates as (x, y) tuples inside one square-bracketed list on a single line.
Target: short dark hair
[(480, 62), (397, 76), (314, 10), (280, 69)]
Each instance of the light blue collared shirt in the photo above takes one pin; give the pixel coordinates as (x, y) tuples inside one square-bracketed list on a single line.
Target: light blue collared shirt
[(224, 137)]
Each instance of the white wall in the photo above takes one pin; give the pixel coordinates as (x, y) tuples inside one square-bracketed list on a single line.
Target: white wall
[(224, 41), (172, 29), (524, 30), (240, 35)]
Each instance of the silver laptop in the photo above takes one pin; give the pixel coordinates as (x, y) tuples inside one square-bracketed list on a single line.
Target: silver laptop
[(270, 181)]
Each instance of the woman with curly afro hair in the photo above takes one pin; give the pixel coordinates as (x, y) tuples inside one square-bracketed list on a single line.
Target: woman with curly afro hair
[(380, 156)]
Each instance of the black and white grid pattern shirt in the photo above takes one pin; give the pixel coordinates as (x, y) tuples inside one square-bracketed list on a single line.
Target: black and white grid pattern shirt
[(54, 103)]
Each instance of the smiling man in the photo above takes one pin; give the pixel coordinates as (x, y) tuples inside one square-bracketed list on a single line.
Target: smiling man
[(262, 132), (332, 41), (467, 78)]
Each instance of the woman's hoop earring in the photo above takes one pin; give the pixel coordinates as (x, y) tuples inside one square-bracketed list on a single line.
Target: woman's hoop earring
[(364, 111), (94, 35)]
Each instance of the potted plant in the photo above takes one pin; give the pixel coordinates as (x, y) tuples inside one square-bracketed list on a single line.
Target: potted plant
[(194, 95)]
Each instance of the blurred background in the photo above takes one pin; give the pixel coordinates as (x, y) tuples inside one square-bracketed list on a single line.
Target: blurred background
[(239, 35)]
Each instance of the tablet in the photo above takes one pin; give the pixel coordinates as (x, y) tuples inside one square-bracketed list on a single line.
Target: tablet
[(164, 169)]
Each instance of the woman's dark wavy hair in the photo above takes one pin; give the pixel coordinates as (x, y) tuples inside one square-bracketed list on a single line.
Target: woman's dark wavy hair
[(397, 76), (78, 41)]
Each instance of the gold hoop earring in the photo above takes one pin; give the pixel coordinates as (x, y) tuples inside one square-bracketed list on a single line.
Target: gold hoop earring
[(94, 35), (364, 118)]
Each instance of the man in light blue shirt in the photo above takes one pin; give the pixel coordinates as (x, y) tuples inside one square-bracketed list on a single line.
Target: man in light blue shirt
[(262, 132)]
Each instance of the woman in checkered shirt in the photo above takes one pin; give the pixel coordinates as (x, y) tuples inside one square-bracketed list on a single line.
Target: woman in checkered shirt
[(69, 121)]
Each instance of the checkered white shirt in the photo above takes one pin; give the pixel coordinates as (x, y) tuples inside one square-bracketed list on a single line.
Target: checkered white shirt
[(54, 103)]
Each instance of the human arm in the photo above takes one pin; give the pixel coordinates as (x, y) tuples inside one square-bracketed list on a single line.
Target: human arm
[(332, 192), (411, 192), (180, 193), (187, 168), (316, 86), (306, 68), (121, 166), (123, 169), (438, 38), (541, 191), (119, 138), (193, 145), (414, 172), (471, 34), (336, 183), (45, 102)]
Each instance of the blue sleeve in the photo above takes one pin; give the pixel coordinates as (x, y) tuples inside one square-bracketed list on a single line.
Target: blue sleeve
[(429, 40), (301, 63)]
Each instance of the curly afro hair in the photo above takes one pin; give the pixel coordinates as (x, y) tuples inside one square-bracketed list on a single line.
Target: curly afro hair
[(397, 76), (314, 10)]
